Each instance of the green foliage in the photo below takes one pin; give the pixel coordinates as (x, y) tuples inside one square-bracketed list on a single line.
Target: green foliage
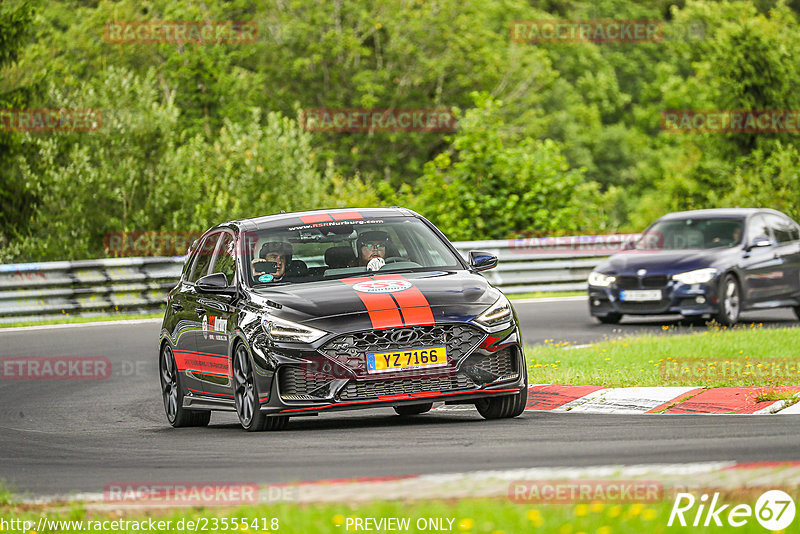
[(564, 138), (15, 197), (768, 180)]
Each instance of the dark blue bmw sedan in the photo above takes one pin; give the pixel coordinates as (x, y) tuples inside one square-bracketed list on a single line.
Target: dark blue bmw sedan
[(715, 262)]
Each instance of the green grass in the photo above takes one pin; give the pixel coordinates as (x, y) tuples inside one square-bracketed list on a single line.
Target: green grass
[(476, 516), (75, 319), (547, 294), (6, 497), (641, 361)]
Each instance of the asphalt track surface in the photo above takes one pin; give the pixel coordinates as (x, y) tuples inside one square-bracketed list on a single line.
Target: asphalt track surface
[(61, 436)]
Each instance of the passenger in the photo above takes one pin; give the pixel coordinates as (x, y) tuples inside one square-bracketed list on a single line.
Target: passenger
[(278, 252)]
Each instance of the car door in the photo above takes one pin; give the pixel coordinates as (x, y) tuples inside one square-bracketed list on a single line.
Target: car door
[(182, 319), (761, 269), (218, 321), (787, 251), (188, 357)]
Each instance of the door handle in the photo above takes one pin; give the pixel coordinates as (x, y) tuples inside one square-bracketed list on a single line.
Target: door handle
[(200, 311), (177, 306)]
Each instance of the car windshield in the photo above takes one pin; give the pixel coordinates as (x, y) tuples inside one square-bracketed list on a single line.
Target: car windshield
[(683, 234), (344, 248)]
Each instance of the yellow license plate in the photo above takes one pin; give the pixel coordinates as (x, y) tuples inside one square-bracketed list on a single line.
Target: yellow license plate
[(402, 360)]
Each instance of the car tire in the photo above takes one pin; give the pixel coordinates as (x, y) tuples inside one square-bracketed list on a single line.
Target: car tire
[(611, 318), (245, 395), (172, 394), (797, 312), (413, 409), (729, 302), (504, 407)]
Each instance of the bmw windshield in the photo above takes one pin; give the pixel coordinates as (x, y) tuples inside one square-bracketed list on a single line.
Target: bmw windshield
[(687, 234), (338, 249)]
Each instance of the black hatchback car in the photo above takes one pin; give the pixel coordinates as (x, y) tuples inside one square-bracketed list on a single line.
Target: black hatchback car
[(301, 313), (715, 262)]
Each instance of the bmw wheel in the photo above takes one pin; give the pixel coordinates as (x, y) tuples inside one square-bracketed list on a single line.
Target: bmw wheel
[(172, 393), (245, 394), (730, 302)]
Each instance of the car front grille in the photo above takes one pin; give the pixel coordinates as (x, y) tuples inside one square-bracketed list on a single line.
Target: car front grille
[(370, 389), (627, 282), (296, 383), (351, 349), (655, 281)]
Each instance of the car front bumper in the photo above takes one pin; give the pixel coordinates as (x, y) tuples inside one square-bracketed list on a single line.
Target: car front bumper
[(686, 299), (308, 381)]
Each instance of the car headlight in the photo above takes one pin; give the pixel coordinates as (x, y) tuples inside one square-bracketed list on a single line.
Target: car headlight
[(698, 276), (600, 279), (283, 330), (498, 314)]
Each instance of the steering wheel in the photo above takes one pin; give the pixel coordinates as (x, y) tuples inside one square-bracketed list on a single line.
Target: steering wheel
[(394, 259)]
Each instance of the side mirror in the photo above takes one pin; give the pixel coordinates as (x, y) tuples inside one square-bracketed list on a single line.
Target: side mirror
[(482, 261), (760, 241), (215, 283)]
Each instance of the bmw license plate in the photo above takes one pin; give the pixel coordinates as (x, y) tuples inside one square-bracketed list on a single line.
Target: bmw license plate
[(403, 360), (639, 295)]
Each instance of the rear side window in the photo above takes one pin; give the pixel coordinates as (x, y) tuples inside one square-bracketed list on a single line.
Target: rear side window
[(202, 258), (782, 228), (794, 231)]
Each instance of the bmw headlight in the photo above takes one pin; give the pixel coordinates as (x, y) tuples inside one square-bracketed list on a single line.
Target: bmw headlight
[(698, 276), (498, 314), (601, 280), (283, 330)]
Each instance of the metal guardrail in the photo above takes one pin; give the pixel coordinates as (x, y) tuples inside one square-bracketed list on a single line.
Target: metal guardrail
[(43, 291)]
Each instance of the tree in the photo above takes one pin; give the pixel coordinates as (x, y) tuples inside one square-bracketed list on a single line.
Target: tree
[(489, 185)]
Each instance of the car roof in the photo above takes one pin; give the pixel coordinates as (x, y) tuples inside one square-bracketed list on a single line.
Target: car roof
[(717, 213), (312, 216)]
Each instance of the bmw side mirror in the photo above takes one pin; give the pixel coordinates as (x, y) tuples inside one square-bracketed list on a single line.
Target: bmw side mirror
[(482, 261), (760, 241), (215, 283)]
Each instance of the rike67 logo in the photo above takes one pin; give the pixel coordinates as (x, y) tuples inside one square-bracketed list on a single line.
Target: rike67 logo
[(774, 510)]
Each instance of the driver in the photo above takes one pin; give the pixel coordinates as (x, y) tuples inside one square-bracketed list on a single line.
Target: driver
[(279, 252), (372, 249)]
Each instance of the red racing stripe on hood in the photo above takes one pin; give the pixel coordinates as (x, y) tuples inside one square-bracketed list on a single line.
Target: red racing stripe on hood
[(382, 308), (413, 305)]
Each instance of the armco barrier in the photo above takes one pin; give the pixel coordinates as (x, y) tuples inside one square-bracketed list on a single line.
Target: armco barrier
[(41, 291)]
